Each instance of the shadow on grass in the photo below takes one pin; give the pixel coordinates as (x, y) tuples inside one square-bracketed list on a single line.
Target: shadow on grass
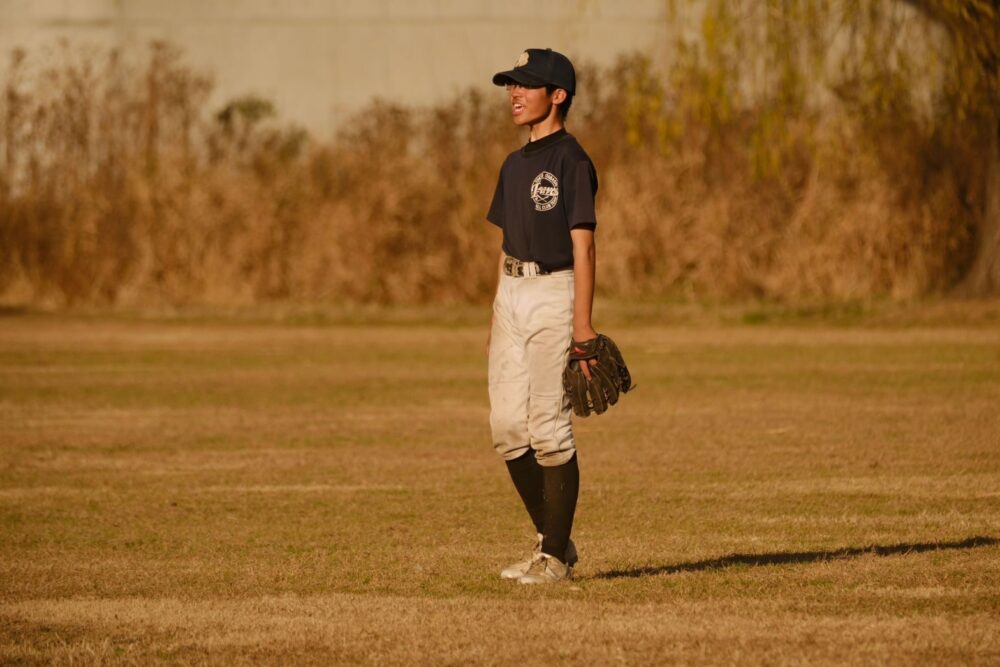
[(793, 557)]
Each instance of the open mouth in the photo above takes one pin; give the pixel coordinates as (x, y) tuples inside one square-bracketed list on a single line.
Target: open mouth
[(517, 108)]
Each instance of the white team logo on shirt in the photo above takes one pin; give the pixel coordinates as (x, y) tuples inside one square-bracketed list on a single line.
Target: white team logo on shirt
[(545, 191)]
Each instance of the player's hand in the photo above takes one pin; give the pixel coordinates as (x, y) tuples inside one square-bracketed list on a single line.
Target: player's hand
[(585, 333)]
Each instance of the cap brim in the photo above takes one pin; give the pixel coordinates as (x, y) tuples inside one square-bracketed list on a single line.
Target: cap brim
[(517, 76)]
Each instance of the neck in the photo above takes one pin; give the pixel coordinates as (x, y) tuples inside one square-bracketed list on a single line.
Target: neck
[(546, 126)]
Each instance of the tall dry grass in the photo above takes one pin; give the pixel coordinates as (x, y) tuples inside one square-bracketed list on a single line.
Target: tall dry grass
[(120, 186)]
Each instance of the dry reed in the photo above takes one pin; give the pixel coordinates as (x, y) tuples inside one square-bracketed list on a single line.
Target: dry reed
[(119, 187)]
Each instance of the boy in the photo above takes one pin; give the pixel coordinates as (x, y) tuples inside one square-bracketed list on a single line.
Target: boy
[(544, 203)]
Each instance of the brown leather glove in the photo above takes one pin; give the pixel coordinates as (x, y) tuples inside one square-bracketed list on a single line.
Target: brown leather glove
[(609, 377)]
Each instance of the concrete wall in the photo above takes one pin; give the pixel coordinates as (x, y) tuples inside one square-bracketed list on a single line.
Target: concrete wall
[(320, 60)]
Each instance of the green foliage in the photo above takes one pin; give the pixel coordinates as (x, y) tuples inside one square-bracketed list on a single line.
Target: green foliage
[(244, 111), (974, 30)]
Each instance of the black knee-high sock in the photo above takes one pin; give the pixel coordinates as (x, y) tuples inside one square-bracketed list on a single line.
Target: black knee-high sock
[(526, 474), (562, 485)]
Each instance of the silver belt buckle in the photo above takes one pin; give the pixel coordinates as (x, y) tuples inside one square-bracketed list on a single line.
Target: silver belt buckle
[(513, 267)]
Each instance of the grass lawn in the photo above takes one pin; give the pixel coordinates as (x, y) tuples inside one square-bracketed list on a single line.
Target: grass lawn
[(237, 491)]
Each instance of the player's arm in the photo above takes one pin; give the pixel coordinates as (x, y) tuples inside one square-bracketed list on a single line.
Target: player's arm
[(584, 265)]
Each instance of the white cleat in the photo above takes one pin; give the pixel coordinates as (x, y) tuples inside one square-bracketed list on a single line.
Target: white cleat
[(546, 569), (518, 570)]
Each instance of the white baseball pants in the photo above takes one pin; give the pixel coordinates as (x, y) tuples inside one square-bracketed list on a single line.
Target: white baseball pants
[(529, 346)]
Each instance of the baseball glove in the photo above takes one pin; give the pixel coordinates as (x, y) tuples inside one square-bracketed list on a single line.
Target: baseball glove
[(609, 377)]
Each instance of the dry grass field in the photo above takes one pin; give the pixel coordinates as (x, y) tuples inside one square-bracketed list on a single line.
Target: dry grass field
[(257, 491)]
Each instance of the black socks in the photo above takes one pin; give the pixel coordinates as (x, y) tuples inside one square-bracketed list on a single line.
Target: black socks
[(527, 477), (562, 485), (549, 495)]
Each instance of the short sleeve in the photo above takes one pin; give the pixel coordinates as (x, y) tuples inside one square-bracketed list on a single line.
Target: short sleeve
[(495, 214), (580, 195)]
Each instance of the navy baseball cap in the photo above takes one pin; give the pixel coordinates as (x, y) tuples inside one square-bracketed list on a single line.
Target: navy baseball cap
[(540, 67)]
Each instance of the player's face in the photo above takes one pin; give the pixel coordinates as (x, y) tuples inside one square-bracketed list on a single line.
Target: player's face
[(529, 105)]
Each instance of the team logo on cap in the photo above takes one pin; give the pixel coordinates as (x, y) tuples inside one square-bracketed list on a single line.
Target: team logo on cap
[(522, 60), (545, 191)]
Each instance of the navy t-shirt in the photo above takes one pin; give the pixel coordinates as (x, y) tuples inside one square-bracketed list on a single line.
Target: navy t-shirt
[(545, 189)]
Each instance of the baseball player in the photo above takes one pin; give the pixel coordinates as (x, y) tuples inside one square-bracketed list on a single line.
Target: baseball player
[(544, 203)]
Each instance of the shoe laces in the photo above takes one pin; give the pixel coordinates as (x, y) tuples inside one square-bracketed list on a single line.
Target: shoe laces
[(539, 563), (536, 547)]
